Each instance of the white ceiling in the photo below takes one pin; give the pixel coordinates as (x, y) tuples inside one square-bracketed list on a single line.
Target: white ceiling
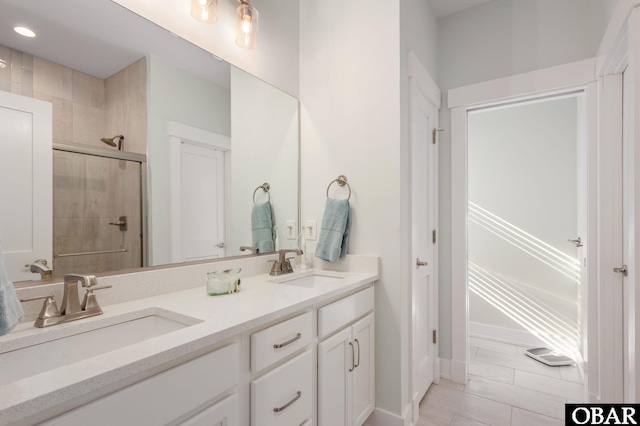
[(443, 8), (99, 38)]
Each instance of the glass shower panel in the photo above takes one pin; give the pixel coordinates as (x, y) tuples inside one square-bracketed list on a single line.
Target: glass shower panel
[(92, 198)]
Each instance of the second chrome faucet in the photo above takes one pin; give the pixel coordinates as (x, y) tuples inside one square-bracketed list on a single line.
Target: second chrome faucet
[(283, 264)]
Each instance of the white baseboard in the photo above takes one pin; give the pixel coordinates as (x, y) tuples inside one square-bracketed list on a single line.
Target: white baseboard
[(445, 368), (382, 417)]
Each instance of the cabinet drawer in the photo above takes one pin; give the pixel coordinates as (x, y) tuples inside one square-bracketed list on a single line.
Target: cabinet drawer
[(164, 397), (279, 341), (283, 397), (223, 413), (338, 314)]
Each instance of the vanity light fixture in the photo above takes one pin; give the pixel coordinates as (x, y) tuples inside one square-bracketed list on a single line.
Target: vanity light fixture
[(204, 11), (24, 31), (247, 25)]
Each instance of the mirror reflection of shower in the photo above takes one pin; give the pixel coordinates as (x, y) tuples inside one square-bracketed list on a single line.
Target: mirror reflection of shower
[(116, 141)]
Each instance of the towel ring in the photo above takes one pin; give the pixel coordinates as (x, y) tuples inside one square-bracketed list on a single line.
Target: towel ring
[(341, 181), (265, 187)]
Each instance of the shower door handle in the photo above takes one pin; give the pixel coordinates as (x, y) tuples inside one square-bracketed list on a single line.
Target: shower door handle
[(122, 223), (577, 242)]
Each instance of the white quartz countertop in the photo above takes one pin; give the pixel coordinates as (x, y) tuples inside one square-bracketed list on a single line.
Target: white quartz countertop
[(215, 319)]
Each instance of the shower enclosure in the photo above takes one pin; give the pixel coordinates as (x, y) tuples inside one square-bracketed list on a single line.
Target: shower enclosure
[(97, 213)]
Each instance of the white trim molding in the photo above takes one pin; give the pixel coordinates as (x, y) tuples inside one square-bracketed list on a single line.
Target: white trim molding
[(545, 80)]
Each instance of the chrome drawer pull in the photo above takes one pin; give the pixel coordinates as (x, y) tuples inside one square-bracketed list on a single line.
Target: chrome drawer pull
[(353, 358), (288, 342), (285, 406), (358, 363)]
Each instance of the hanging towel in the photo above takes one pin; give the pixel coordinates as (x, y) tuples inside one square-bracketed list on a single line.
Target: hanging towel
[(262, 226), (10, 310), (334, 232)]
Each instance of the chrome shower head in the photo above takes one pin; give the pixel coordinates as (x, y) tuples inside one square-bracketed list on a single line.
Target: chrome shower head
[(112, 141)]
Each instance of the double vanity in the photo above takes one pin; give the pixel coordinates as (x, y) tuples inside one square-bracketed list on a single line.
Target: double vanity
[(295, 349)]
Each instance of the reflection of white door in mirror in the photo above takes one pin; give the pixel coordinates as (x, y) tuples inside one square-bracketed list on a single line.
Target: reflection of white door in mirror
[(199, 193), (25, 157)]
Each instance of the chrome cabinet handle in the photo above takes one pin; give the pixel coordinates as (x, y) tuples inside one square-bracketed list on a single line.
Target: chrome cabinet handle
[(288, 342), (419, 263), (353, 358), (577, 242), (358, 363), (285, 406)]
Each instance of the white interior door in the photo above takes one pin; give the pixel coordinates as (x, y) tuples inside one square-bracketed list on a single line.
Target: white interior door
[(423, 193), (25, 190), (202, 202)]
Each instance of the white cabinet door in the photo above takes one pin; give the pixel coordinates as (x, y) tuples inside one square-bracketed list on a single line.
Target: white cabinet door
[(334, 384), (223, 413), (363, 394), (25, 186)]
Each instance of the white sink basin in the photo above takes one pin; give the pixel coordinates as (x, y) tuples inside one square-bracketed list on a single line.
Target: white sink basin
[(86, 343), (308, 279)]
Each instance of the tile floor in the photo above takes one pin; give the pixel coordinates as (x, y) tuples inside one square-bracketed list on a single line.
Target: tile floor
[(505, 388)]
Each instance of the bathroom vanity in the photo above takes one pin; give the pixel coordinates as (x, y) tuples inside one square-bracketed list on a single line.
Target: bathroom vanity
[(288, 350)]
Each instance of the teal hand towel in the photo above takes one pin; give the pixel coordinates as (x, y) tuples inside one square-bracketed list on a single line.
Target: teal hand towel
[(10, 310), (262, 227), (334, 231)]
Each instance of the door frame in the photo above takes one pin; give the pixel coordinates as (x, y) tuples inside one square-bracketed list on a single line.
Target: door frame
[(420, 80), (619, 49), (600, 152), (207, 139)]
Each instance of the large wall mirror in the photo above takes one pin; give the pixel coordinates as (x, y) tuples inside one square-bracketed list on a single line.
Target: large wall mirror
[(159, 150)]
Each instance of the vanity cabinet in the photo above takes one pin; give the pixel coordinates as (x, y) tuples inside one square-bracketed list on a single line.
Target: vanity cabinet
[(346, 364), (316, 367), (169, 396)]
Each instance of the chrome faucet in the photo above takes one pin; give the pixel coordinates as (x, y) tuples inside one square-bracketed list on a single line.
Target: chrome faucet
[(40, 267), (283, 265), (250, 248), (71, 309)]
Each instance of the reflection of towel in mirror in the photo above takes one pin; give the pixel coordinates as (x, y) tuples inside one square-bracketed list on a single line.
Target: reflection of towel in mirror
[(262, 227), (10, 310), (334, 232)]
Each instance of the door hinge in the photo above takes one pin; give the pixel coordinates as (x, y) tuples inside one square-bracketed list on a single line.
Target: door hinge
[(435, 337), (433, 236), (435, 132)]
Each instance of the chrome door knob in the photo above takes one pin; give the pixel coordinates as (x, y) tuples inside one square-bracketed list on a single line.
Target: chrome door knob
[(419, 263), (221, 245), (577, 242), (622, 270)]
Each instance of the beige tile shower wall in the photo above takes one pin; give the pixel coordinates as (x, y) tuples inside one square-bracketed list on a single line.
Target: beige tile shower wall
[(16, 72), (126, 106), (85, 108)]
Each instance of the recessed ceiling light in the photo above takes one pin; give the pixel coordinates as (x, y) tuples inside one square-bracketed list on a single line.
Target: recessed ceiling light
[(24, 31)]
